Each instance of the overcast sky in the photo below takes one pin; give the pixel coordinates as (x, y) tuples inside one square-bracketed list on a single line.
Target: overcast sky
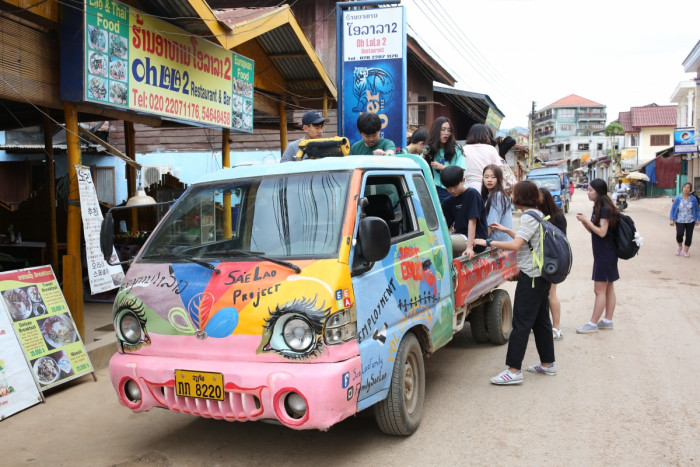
[(619, 53)]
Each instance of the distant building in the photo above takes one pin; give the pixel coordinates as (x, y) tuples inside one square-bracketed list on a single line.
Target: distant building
[(688, 115), (648, 130), (570, 116), (566, 129)]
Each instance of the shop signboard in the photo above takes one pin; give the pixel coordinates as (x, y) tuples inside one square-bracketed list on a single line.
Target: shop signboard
[(137, 62), (372, 65), (102, 275), (44, 327), (684, 141)]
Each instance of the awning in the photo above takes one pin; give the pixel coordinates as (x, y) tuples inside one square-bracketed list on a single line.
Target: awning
[(475, 105)]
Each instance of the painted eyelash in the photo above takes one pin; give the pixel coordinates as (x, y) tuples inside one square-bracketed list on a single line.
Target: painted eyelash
[(136, 307), (305, 308)]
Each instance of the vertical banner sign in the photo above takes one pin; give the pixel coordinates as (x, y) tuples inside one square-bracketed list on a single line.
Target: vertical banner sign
[(141, 63), (374, 71), (44, 326), (18, 390), (103, 277), (243, 71)]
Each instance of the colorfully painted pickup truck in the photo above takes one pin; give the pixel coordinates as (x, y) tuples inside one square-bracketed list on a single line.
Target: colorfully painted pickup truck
[(301, 293)]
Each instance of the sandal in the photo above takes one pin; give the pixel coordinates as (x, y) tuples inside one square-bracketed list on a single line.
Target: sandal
[(557, 334)]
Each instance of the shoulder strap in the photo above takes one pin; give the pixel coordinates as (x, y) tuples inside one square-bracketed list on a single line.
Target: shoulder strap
[(537, 261)]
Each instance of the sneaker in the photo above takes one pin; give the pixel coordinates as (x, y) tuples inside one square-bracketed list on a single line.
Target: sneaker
[(587, 329), (557, 334), (607, 326), (545, 370), (506, 377), (678, 251), (685, 253)]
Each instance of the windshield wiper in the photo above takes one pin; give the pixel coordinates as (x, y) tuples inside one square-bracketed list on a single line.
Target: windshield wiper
[(256, 254), (186, 258)]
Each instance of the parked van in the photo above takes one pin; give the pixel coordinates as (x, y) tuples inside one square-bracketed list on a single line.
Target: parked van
[(556, 181)]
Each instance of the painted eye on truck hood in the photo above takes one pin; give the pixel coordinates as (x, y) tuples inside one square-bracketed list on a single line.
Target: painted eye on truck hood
[(294, 329), (130, 324)]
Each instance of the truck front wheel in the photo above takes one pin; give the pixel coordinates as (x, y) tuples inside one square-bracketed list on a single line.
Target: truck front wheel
[(400, 413), (499, 317)]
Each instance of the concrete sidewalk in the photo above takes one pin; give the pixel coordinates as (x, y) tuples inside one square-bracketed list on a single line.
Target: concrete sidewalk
[(99, 339)]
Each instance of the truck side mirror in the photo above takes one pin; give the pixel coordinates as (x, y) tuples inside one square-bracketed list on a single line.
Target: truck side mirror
[(107, 236), (375, 238)]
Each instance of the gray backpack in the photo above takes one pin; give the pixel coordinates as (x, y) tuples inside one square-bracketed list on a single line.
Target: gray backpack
[(555, 258)]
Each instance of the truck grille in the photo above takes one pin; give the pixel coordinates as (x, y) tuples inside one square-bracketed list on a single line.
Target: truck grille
[(238, 405)]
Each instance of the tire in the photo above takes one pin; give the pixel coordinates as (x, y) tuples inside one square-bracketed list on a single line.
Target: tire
[(477, 323), (499, 317), (400, 413), (566, 207)]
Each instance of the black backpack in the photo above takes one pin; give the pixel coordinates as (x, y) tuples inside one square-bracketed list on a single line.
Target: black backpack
[(623, 237), (556, 257)]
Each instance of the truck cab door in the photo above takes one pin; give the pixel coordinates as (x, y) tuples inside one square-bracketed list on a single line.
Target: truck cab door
[(410, 288)]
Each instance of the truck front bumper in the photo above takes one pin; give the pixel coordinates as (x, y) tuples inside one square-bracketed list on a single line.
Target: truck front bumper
[(252, 391)]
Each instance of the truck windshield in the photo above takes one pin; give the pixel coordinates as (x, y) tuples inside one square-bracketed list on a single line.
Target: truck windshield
[(551, 183), (284, 216)]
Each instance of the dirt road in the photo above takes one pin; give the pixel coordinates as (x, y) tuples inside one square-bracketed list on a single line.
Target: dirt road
[(626, 397)]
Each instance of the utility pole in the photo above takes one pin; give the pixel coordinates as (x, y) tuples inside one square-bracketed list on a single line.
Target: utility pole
[(531, 156)]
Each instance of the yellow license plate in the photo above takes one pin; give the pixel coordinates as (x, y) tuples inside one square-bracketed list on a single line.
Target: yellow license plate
[(200, 384)]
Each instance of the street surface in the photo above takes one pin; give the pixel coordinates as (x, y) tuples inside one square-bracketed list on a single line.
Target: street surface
[(625, 397)]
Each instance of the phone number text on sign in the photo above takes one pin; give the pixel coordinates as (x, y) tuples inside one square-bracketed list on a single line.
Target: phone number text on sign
[(177, 107)]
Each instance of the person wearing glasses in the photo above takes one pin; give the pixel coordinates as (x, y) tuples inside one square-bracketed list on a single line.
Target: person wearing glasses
[(442, 151), (479, 152), (312, 123)]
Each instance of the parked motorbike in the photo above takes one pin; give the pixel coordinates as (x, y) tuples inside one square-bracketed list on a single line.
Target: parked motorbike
[(621, 201)]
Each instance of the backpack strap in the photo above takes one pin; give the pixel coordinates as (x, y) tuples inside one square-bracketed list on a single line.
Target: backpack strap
[(537, 261)]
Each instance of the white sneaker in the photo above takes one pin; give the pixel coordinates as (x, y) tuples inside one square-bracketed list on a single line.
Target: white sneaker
[(587, 328), (545, 370), (506, 377)]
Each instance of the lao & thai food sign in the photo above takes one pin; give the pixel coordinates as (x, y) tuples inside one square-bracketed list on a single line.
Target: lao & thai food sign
[(137, 62)]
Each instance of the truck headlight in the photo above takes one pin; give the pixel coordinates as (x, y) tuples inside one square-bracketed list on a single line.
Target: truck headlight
[(340, 327), (130, 328), (298, 334)]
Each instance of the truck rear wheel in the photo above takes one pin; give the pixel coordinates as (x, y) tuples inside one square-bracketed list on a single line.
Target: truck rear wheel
[(566, 207), (477, 323), (499, 317), (400, 413)]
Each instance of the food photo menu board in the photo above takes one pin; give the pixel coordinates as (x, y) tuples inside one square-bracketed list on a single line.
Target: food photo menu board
[(18, 389), (44, 326)]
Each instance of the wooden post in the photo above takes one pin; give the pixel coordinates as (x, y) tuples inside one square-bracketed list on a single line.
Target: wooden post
[(131, 182), (72, 264), (52, 238), (283, 125), (226, 163)]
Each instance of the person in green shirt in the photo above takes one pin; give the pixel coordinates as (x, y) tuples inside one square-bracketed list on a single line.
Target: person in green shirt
[(416, 143), (369, 126), (444, 152)]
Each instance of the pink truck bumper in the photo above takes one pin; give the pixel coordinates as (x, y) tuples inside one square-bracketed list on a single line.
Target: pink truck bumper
[(253, 391)]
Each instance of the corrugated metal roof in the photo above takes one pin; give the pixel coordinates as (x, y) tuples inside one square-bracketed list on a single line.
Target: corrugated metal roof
[(654, 115), (473, 104)]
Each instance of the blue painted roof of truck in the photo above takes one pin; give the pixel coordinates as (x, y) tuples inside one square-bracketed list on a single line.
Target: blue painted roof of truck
[(315, 165), (538, 172)]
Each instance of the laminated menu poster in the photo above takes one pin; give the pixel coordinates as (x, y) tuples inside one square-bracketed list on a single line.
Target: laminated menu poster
[(103, 276), (18, 390), (44, 326)]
